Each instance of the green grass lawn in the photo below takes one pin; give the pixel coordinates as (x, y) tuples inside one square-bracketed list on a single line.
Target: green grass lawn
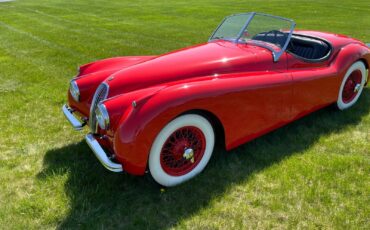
[(313, 173)]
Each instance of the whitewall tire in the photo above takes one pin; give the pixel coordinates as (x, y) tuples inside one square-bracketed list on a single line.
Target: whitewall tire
[(181, 150), (352, 85)]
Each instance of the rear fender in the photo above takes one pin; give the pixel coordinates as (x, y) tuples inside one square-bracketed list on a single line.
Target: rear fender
[(350, 54)]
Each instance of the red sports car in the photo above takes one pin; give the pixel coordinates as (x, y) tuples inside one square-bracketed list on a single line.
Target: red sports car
[(255, 74)]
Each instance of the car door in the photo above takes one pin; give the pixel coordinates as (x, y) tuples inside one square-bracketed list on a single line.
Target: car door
[(312, 85), (261, 102)]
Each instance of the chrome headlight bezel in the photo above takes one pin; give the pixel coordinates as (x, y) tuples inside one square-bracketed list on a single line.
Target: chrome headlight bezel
[(74, 90), (102, 116)]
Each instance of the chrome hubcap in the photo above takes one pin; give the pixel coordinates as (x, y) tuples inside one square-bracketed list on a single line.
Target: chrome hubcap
[(357, 88), (189, 154)]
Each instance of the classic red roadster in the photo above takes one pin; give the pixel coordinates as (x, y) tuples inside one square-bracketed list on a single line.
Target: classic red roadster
[(159, 114)]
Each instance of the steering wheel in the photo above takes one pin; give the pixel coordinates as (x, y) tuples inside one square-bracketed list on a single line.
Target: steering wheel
[(276, 35), (274, 39)]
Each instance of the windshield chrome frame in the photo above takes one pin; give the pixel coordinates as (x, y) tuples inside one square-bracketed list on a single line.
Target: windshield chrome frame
[(276, 55)]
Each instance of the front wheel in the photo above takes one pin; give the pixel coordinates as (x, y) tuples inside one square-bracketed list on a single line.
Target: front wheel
[(351, 88), (181, 150)]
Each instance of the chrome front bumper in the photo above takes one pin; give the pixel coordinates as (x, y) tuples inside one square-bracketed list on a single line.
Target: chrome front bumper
[(92, 142), (101, 155), (68, 113)]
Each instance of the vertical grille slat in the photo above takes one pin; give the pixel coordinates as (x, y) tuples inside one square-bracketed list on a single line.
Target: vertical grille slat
[(101, 94)]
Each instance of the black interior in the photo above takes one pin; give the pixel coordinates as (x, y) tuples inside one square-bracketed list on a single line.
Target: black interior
[(308, 48)]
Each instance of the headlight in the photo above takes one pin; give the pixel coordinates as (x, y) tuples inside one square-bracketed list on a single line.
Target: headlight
[(102, 116), (73, 89)]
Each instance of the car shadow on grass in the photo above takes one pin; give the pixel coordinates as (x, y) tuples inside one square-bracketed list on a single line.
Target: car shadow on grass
[(99, 198)]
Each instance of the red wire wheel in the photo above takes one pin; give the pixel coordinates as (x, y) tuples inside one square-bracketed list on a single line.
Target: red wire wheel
[(352, 85), (182, 151), (350, 89)]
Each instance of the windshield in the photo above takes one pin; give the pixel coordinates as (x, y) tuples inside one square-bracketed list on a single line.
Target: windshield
[(264, 30)]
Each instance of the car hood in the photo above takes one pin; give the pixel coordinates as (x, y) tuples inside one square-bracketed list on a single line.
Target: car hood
[(205, 60)]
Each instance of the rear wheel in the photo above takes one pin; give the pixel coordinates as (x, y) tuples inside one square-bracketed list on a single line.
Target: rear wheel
[(352, 85), (181, 150)]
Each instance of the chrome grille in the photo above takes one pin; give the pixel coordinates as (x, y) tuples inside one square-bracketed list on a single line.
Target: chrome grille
[(101, 94)]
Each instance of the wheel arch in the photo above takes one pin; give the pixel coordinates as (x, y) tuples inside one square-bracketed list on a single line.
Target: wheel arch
[(351, 53), (215, 122), (365, 61), (348, 55)]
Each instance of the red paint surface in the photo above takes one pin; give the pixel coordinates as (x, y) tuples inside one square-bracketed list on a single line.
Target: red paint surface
[(239, 84)]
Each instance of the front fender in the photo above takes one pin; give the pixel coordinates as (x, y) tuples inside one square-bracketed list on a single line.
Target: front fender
[(92, 74), (121, 106), (143, 120), (139, 127), (87, 85)]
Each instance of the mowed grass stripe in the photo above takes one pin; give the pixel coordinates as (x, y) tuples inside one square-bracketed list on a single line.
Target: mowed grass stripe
[(68, 37), (92, 30), (41, 40), (123, 29), (109, 39), (125, 24), (39, 92), (164, 25), (45, 65), (58, 40)]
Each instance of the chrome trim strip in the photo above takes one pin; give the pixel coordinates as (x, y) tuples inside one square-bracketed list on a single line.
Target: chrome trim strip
[(77, 125), (277, 55), (94, 104), (245, 26), (101, 155)]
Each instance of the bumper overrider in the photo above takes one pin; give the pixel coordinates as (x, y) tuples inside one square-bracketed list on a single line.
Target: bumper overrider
[(68, 113), (92, 142)]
